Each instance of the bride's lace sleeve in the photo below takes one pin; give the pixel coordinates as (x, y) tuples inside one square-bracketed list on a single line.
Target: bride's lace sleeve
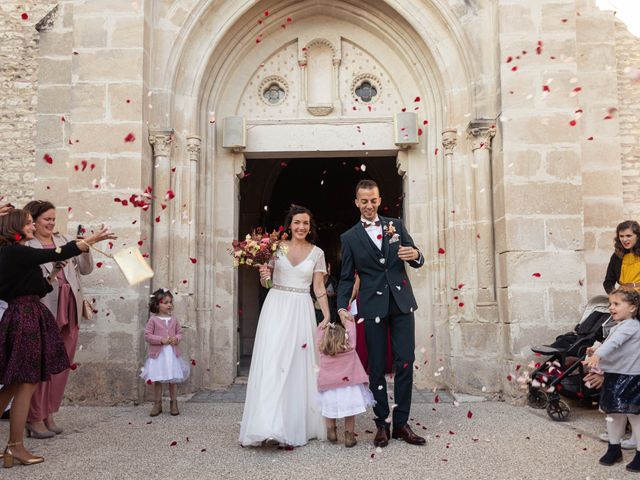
[(321, 265)]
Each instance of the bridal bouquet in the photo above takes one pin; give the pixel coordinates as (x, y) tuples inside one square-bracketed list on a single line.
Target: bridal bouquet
[(258, 249)]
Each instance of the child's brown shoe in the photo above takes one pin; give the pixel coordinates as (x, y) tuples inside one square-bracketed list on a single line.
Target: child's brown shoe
[(332, 434), (156, 410), (349, 439)]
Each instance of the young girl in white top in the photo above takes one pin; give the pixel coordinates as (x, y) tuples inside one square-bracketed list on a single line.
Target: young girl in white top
[(619, 358), (164, 361)]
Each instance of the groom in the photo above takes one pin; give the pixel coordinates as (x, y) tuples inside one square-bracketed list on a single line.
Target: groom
[(377, 248)]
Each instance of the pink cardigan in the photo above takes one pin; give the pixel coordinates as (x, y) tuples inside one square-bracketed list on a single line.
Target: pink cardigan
[(156, 330), (343, 369)]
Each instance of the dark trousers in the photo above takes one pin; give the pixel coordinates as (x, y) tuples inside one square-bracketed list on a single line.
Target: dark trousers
[(402, 330)]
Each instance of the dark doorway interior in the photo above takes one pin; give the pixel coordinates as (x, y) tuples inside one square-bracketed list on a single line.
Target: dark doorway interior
[(323, 185)]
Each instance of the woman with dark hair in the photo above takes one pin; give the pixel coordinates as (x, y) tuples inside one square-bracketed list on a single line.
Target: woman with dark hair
[(31, 349), (624, 265), (280, 406), (65, 301)]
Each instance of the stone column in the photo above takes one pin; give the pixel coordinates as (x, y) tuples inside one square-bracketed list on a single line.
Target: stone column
[(193, 153), (160, 141), (449, 141), (480, 133)]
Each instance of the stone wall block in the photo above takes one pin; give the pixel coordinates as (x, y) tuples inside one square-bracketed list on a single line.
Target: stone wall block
[(537, 128), (109, 65), (125, 102), (564, 233), (102, 7), (89, 102), (90, 32), (544, 198), (50, 131), (54, 71), (519, 233), (516, 19), (525, 304), (591, 54), (122, 171), (55, 43), (102, 137), (518, 268), (54, 99), (475, 375), (478, 339), (605, 183), (126, 31), (567, 307), (602, 212), (553, 14), (563, 164)]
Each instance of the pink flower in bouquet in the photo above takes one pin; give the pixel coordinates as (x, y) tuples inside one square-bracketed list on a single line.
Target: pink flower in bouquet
[(257, 249)]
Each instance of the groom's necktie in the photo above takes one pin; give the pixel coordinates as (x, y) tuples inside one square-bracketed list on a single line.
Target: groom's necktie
[(371, 224)]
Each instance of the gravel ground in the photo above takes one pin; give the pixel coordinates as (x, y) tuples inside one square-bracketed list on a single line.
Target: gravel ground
[(499, 441)]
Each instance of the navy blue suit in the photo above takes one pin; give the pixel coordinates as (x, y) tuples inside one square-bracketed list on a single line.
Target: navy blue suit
[(386, 302)]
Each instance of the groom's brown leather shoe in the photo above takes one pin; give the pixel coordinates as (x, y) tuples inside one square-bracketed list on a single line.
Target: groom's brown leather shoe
[(382, 436), (405, 433)]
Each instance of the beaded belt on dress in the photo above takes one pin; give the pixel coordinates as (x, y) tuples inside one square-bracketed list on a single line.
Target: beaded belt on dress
[(290, 289)]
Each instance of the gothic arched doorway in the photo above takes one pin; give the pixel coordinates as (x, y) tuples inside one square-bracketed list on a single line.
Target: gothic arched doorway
[(323, 185)]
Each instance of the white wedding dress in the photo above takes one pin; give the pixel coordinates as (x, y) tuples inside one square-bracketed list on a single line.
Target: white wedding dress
[(282, 390)]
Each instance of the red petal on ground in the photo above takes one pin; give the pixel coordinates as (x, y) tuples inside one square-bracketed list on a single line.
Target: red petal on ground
[(203, 450), (24, 16), (577, 89), (451, 432), (417, 99), (289, 19), (441, 251), (173, 444), (469, 414), (590, 138), (47, 158), (404, 109), (99, 264), (518, 366), (564, 20), (258, 40), (266, 13), (573, 123), (546, 88), (536, 274), (193, 362), (140, 242), (509, 377), (193, 260), (436, 399), (461, 304), (62, 118)]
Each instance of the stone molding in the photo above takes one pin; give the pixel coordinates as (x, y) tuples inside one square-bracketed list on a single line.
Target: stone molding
[(481, 132), (193, 147), (449, 140), (160, 141)]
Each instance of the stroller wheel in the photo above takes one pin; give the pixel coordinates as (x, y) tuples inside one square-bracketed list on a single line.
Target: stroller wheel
[(537, 399), (558, 411)]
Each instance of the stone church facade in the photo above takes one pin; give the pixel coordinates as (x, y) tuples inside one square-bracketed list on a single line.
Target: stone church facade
[(153, 112)]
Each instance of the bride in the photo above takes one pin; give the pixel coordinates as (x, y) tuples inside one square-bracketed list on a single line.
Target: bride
[(280, 406)]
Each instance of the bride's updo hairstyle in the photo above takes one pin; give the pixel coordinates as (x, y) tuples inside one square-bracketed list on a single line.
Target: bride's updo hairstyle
[(294, 210)]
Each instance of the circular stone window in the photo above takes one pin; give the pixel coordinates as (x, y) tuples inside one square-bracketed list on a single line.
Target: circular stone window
[(273, 90), (365, 88)]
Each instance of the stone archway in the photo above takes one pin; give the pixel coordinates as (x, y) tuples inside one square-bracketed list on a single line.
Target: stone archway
[(213, 74)]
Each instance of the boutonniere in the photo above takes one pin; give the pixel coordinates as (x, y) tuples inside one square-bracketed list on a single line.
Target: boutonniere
[(389, 229)]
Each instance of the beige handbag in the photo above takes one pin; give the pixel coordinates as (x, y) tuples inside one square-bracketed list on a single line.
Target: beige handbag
[(87, 310)]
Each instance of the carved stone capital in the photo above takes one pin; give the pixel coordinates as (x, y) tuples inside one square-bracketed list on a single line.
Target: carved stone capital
[(193, 147), (481, 132), (449, 140), (160, 141)]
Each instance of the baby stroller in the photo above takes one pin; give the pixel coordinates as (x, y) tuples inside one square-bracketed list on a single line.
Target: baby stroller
[(562, 373)]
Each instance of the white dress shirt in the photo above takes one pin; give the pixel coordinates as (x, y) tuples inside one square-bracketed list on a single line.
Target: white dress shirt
[(374, 232)]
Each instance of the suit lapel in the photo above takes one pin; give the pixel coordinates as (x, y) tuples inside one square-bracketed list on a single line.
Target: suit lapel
[(368, 243), (385, 238)]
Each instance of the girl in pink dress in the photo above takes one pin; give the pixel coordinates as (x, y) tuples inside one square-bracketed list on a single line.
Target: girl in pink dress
[(164, 362), (342, 382)]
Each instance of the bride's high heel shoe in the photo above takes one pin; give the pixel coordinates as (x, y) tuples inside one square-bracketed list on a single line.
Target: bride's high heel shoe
[(9, 458)]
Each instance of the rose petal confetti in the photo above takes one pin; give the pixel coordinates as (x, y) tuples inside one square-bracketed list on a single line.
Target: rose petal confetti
[(469, 414), (536, 274), (130, 138), (47, 158), (304, 345), (173, 444), (73, 366), (193, 362), (441, 251)]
